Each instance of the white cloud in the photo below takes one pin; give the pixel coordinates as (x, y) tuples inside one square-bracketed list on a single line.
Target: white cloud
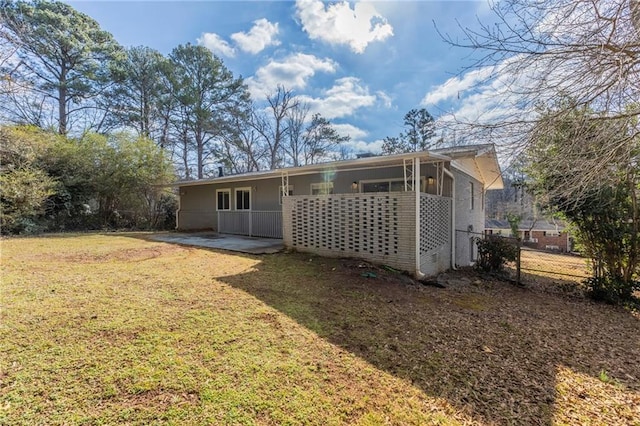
[(350, 130), (359, 146), (262, 34), (339, 24), (293, 73), (488, 96), (216, 44), (343, 99), (386, 99), (455, 86)]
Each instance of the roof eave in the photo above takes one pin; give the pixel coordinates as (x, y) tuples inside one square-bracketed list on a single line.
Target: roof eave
[(394, 159)]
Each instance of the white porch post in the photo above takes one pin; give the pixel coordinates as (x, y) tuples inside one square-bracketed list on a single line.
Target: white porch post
[(285, 184), (409, 174)]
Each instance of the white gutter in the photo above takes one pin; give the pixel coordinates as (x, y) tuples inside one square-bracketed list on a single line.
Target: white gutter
[(178, 210), (453, 217), (416, 190)]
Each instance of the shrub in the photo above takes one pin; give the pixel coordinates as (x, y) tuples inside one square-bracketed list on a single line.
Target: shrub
[(611, 289), (494, 252)]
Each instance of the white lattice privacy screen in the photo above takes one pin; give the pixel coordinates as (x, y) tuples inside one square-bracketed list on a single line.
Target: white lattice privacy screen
[(377, 227), (435, 233)]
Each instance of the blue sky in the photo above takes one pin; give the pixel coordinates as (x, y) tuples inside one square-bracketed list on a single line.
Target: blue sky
[(362, 64)]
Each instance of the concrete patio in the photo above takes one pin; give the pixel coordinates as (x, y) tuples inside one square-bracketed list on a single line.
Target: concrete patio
[(239, 243)]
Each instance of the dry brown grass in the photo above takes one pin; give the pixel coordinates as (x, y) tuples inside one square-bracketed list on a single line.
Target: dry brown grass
[(554, 265), (103, 329)]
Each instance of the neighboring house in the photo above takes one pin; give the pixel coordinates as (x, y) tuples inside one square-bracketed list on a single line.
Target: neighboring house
[(537, 234), (400, 210)]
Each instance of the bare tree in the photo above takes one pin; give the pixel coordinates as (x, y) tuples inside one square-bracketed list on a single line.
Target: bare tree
[(295, 124), (585, 52), (272, 124), (241, 151), (319, 140)]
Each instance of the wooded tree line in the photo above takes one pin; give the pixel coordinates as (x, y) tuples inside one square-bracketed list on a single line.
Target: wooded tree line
[(60, 71), (50, 182), (91, 130)]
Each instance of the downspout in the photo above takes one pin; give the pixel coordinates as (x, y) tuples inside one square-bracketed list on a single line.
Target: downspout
[(453, 217), (178, 209), (416, 189)]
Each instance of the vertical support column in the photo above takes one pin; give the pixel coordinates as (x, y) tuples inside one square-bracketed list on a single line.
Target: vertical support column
[(285, 218), (416, 187), (285, 184), (409, 172)]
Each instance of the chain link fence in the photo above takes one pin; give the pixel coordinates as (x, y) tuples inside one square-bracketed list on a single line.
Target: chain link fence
[(530, 266)]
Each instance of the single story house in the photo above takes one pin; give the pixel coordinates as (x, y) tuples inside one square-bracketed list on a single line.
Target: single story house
[(399, 210), (537, 234)]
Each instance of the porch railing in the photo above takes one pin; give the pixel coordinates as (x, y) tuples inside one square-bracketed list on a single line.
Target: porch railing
[(253, 223)]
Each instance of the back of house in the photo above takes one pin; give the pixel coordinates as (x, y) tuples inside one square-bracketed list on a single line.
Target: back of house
[(417, 212)]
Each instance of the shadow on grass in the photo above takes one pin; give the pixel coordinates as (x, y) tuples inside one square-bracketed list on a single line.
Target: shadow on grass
[(498, 352), (489, 348)]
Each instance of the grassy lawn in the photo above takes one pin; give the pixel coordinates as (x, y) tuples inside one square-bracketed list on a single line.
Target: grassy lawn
[(539, 264), (104, 329)]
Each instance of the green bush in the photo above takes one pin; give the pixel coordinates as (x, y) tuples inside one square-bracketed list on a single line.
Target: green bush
[(50, 182), (611, 290), (22, 196), (494, 252)]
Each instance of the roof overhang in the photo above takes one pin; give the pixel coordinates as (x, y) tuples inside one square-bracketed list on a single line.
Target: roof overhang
[(479, 161), (345, 165)]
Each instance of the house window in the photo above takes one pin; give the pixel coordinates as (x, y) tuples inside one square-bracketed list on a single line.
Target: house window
[(243, 199), (375, 186), (386, 185), (280, 192), (471, 189), (223, 197), (322, 188)]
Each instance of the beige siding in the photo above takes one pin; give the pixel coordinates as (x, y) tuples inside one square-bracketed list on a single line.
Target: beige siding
[(197, 208), (198, 202)]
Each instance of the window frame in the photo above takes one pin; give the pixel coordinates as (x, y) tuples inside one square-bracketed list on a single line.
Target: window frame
[(243, 189), (223, 190), (423, 181), (322, 186)]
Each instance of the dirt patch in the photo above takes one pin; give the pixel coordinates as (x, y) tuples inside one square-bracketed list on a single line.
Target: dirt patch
[(122, 255)]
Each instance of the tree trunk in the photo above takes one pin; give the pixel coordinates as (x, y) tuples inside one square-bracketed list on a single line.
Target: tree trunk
[(200, 152), (62, 102)]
